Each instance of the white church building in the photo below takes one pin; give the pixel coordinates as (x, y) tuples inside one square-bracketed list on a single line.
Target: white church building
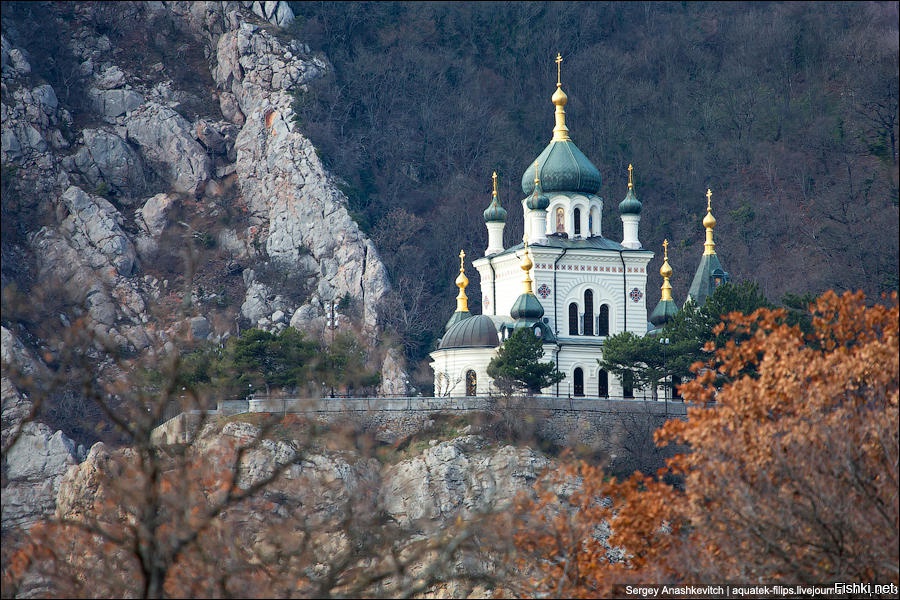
[(566, 281)]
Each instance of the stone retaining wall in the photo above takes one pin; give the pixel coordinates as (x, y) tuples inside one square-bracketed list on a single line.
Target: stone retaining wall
[(618, 431)]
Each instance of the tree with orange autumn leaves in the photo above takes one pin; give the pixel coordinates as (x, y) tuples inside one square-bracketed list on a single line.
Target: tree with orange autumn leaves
[(791, 475)]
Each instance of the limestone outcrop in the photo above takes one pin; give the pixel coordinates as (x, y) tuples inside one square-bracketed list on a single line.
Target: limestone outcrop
[(106, 176)]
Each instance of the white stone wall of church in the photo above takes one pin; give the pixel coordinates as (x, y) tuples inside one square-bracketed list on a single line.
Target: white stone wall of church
[(450, 367), (574, 274)]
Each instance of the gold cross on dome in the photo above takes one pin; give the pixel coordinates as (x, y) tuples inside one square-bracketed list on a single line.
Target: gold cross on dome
[(708, 199), (558, 63)]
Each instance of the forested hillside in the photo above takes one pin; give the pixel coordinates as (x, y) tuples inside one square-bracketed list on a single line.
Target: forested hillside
[(787, 111)]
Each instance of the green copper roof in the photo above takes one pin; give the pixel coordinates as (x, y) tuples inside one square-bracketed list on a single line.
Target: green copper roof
[(538, 200), (539, 328), (456, 317), (630, 205), (477, 331), (527, 306), (563, 168), (663, 312), (495, 212), (708, 277)]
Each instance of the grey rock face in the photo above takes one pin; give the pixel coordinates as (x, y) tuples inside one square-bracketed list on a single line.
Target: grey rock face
[(114, 103), (166, 139), (253, 178), (153, 215), (277, 13), (34, 465), (95, 224), (107, 158), (458, 477), (283, 181)]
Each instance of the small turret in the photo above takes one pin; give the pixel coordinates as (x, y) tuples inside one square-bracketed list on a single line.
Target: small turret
[(527, 310), (537, 204), (495, 220), (630, 209), (666, 308), (710, 273)]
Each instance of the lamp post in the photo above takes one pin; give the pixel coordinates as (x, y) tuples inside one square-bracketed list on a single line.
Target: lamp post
[(331, 322), (665, 345)]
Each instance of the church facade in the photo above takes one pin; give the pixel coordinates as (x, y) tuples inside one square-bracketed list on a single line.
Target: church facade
[(566, 281)]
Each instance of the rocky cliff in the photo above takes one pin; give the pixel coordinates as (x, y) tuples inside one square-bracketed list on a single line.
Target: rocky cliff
[(155, 179), (352, 506)]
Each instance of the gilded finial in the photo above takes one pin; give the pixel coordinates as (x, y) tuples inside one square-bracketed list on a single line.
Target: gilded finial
[(494, 177), (537, 178), (630, 179), (526, 266), (666, 272), (560, 132), (462, 301), (709, 222)]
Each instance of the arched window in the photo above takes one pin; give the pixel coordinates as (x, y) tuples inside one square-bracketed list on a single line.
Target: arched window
[(588, 312), (560, 220), (573, 319), (591, 223), (628, 384), (603, 390), (579, 382), (576, 217), (603, 320), (471, 382)]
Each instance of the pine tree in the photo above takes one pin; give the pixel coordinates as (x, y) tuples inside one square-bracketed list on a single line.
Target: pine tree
[(518, 363)]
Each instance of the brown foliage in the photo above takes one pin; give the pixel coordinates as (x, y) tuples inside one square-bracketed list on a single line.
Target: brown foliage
[(792, 474)]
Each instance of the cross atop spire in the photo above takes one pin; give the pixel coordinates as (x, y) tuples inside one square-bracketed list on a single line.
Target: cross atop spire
[(630, 179), (558, 69), (494, 177), (559, 98)]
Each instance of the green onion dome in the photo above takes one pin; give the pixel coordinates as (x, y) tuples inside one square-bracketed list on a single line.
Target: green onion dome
[(494, 212), (477, 331)]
